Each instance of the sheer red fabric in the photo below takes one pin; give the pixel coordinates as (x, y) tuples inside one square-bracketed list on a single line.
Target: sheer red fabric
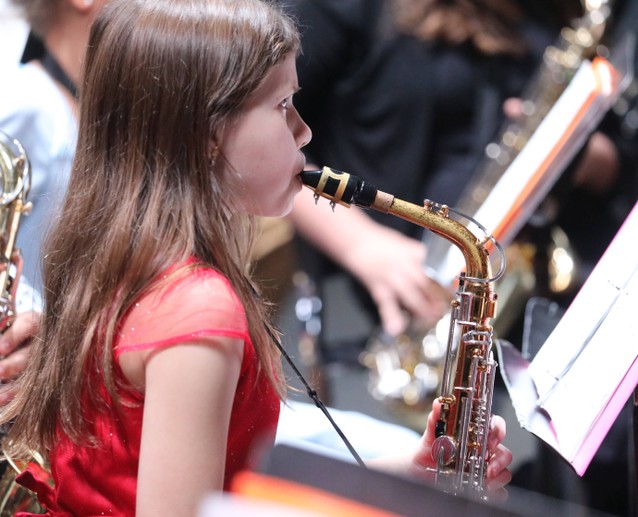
[(102, 480)]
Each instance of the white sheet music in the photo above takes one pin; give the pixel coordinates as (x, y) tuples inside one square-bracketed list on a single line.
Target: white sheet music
[(540, 163), (574, 388)]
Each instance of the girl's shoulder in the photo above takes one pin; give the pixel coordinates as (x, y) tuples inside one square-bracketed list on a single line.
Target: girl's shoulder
[(193, 284), (186, 302)]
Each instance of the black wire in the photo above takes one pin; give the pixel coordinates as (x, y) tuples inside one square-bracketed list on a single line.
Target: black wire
[(315, 397)]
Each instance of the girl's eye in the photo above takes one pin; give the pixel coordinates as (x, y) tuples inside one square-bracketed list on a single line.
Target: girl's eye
[(285, 103)]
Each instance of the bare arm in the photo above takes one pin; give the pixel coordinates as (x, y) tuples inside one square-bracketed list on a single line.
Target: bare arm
[(189, 392)]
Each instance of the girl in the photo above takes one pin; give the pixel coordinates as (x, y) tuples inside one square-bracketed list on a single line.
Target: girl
[(155, 375)]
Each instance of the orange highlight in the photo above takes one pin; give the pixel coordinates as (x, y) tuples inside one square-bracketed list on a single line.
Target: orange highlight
[(296, 495)]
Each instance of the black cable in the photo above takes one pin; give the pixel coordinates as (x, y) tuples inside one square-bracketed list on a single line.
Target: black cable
[(315, 397)]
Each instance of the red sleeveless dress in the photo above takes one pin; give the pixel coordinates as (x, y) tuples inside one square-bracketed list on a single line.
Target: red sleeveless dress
[(102, 480)]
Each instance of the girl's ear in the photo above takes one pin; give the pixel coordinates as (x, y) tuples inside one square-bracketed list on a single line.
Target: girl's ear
[(83, 6)]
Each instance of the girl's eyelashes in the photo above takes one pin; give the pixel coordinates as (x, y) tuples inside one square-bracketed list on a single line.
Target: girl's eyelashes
[(286, 103)]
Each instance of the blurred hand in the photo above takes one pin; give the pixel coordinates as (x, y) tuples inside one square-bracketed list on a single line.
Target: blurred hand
[(513, 108), (15, 348), (387, 263), (390, 266), (599, 166)]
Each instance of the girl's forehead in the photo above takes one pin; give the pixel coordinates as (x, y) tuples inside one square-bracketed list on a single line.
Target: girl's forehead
[(281, 79)]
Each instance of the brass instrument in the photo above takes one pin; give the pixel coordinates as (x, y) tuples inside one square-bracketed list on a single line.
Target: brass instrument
[(406, 371), (460, 449), (15, 182)]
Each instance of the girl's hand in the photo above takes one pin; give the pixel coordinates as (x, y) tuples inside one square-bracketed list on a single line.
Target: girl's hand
[(500, 457)]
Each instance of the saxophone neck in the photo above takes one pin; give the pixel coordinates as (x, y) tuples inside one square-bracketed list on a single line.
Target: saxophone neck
[(346, 189)]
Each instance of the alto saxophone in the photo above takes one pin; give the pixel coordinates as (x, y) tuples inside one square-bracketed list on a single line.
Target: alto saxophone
[(15, 182), (577, 43), (460, 448)]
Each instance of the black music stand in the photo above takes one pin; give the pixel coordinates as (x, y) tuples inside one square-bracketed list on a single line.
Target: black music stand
[(400, 495)]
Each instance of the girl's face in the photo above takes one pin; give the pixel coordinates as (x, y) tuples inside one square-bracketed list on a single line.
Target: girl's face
[(262, 145)]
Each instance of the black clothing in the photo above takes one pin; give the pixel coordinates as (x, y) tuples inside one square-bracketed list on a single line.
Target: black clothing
[(409, 116)]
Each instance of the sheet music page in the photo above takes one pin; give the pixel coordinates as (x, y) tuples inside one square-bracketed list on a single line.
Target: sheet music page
[(608, 284), (539, 164), (558, 138), (589, 364)]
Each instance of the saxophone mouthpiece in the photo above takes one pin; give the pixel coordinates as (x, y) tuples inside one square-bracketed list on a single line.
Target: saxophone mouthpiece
[(339, 187)]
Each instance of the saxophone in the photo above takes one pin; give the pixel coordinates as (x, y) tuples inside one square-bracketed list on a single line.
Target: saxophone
[(15, 182), (577, 43), (460, 449)]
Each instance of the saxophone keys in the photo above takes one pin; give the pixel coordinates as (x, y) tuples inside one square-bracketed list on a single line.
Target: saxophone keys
[(444, 449)]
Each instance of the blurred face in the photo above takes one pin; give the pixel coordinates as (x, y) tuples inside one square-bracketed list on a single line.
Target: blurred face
[(262, 145)]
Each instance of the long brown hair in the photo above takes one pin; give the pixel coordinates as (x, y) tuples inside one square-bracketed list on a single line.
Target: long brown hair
[(162, 77), (491, 26)]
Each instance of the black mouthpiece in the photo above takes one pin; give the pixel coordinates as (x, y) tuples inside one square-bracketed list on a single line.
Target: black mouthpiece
[(340, 187)]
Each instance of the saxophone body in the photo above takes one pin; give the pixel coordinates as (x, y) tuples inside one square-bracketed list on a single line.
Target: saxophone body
[(460, 449), (15, 181), (576, 43)]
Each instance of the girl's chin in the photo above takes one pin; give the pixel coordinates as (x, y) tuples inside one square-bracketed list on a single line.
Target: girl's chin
[(287, 207), (281, 210)]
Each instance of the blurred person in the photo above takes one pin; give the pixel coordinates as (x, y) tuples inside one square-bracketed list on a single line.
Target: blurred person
[(38, 107), (406, 94)]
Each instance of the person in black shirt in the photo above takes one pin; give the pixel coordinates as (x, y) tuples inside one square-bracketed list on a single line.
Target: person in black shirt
[(406, 94)]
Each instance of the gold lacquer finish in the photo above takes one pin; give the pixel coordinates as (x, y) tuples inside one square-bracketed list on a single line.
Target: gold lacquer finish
[(15, 181), (460, 449), (406, 370)]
